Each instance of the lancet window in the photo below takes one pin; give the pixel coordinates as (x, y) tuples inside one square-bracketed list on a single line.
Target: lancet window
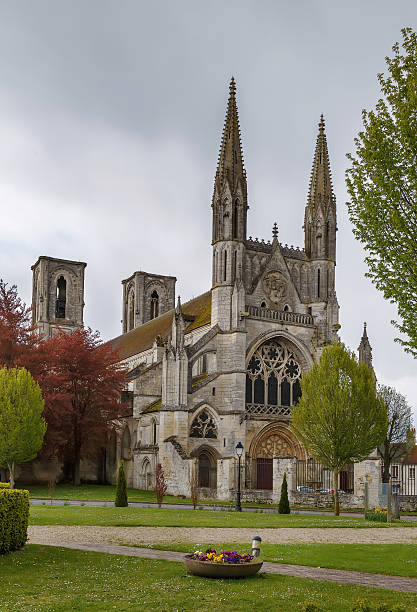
[(61, 298), (154, 305), (273, 376), (203, 426)]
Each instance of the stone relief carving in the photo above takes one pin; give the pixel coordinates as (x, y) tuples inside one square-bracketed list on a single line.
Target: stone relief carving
[(275, 287), (274, 446)]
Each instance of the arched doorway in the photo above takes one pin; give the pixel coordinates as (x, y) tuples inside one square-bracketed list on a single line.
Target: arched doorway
[(147, 475), (274, 440), (206, 466)]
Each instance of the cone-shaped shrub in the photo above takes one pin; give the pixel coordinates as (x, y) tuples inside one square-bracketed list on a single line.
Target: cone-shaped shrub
[(121, 489), (284, 504)]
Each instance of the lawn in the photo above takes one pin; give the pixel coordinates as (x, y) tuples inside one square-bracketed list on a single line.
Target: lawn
[(41, 578), (391, 559), (171, 517)]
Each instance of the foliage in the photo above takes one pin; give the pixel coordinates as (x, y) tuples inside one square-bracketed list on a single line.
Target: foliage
[(121, 487), (14, 519), (376, 514), (160, 484), (382, 185), (79, 580), (22, 426), (339, 418), (284, 504), (399, 441), (83, 382)]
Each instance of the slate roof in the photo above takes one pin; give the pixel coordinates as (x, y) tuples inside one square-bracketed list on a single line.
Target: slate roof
[(197, 311)]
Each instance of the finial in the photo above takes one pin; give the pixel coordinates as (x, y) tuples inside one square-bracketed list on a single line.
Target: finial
[(364, 330), (275, 231), (232, 86), (178, 308), (321, 124)]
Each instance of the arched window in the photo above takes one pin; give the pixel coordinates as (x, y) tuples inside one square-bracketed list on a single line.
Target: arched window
[(203, 426), (225, 266), (318, 283), (286, 308), (273, 376), (131, 311), (235, 266), (154, 438), (263, 304), (61, 298), (154, 305), (327, 239), (236, 219)]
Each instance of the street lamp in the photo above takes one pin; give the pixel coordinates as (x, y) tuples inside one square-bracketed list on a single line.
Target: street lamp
[(239, 453)]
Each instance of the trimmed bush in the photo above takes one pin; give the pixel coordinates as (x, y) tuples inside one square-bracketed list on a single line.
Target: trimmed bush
[(14, 519), (284, 504), (4, 485), (121, 488)]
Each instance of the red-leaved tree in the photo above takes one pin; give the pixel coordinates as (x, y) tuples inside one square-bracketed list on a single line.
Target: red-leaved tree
[(82, 381), (160, 484)]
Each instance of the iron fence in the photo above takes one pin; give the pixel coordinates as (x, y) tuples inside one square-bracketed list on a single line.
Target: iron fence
[(313, 477), (256, 474), (403, 478)]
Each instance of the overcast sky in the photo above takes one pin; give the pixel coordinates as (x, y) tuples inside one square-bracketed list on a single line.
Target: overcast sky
[(110, 122)]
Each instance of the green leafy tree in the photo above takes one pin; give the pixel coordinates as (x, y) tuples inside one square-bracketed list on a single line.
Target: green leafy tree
[(22, 426), (382, 185), (339, 418), (284, 504), (121, 487), (399, 439)]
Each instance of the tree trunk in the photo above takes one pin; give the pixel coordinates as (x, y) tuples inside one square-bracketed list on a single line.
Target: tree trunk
[(11, 473), (387, 465), (336, 492), (77, 461)]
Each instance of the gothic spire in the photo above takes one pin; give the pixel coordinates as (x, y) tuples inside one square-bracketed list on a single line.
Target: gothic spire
[(364, 348), (320, 191), (230, 164)]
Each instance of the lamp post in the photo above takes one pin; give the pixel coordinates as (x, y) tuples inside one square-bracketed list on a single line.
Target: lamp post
[(239, 453)]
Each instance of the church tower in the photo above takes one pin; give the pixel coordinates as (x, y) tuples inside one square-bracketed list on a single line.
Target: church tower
[(229, 216), (320, 223), (57, 294), (364, 348)]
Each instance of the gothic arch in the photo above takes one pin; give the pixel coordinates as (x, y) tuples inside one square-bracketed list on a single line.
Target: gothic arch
[(299, 348), (204, 424), (276, 440), (207, 457)]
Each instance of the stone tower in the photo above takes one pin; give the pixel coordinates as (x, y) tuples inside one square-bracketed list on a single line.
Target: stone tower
[(229, 216), (145, 297), (320, 222), (364, 348), (57, 294)]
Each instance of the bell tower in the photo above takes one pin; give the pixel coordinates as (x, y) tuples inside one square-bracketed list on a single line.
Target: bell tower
[(57, 294), (229, 216)]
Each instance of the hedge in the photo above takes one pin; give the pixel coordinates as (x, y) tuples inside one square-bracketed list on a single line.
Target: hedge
[(4, 485), (14, 519)]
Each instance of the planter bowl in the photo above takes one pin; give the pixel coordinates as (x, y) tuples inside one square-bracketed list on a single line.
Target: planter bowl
[(222, 570)]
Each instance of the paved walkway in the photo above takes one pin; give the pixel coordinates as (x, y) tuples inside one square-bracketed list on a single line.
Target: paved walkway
[(83, 534), (393, 583)]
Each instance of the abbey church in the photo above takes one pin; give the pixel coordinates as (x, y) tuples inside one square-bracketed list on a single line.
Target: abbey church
[(226, 366)]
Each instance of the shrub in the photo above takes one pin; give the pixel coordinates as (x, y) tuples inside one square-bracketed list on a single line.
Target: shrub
[(284, 504), (14, 518), (4, 485), (160, 484), (121, 488)]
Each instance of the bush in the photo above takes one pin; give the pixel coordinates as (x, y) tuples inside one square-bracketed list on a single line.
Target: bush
[(14, 519), (160, 484), (284, 504), (121, 488), (4, 485)]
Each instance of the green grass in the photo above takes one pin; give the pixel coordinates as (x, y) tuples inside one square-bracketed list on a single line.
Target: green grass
[(171, 517), (45, 579), (391, 559)]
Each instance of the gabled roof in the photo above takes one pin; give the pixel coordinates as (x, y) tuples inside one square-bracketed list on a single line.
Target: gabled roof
[(197, 311)]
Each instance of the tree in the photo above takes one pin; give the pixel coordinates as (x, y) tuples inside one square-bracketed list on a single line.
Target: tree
[(398, 441), (22, 426), (284, 504), (83, 381), (340, 417), (121, 487), (160, 484), (382, 185)]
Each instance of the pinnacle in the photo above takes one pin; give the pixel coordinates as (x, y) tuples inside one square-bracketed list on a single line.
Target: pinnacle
[(275, 231)]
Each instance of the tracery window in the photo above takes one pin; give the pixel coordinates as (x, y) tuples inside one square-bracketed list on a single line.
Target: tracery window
[(273, 376), (203, 426)]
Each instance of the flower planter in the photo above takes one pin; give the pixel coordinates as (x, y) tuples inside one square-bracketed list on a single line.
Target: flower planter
[(222, 570)]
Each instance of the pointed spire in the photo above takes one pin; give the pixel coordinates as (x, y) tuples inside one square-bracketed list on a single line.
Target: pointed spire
[(178, 309), (275, 231), (230, 164), (321, 189), (364, 348)]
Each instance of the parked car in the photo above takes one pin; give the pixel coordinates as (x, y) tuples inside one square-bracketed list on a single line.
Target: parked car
[(323, 491), (303, 489)]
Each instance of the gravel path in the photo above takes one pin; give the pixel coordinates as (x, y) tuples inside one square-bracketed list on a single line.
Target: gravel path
[(59, 535)]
